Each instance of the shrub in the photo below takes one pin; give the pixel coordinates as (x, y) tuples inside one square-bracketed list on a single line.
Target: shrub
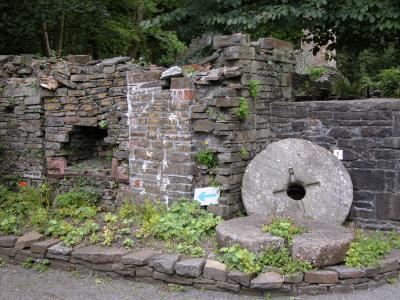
[(207, 158), (390, 82)]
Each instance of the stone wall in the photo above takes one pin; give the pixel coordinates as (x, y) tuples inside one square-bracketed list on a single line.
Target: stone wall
[(151, 266), (368, 132), (161, 136), (55, 133), (173, 118)]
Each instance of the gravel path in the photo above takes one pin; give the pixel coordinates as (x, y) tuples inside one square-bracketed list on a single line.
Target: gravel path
[(18, 283)]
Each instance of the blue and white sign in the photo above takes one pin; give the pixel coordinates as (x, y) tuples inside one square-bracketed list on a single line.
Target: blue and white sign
[(207, 195)]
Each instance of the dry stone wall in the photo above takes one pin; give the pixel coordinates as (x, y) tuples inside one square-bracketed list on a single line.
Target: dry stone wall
[(368, 132), (72, 133), (147, 265), (173, 119)]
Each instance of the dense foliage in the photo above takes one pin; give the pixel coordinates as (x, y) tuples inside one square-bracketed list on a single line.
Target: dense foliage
[(359, 23), (102, 28), (75, 218)]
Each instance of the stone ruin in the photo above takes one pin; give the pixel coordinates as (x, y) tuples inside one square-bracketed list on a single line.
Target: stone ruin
[(122, 128), (297, 179)]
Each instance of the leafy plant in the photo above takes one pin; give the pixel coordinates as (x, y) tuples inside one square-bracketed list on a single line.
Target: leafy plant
[(40, 266), (390, 82), (108, 235), (242, 112), (76, 235), (77, 197), (207, 158), (189, 249), (128, 243), (103, 124), (282, 259), (316, 72), (367, 250), (238, 258), (127, 210), (39, 219), (254, 87), (284, 228), (244, 153)]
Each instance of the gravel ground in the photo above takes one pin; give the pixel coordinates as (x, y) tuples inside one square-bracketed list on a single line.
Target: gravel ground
[(19, 283)]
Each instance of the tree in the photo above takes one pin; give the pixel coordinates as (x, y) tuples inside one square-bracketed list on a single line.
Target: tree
[(102, 28), (355, 23)]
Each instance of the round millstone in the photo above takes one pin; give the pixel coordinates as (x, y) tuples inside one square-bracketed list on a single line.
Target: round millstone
[(297, 178)]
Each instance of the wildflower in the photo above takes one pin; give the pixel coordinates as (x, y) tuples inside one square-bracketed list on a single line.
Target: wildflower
[(22, 184)]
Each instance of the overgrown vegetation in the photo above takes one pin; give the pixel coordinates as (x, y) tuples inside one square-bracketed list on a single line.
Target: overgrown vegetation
[(242, 111), (74, 218), (367, 249), (207, 158), (389, 82), (238, 258), (285, 228)]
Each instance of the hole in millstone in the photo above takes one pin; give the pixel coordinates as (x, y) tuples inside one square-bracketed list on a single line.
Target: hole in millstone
[(296, 191)]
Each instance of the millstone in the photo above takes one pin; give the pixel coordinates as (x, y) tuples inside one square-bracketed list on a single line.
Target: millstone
[(322, 244), (297, 178)]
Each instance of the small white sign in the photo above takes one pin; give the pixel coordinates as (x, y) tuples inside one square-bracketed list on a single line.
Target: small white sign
[(207, 195), (338, 154)]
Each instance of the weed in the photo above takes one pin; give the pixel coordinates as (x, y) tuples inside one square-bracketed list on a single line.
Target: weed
[(284, 228), (76, 274), (214, 114), (108, 235), (242, 112), (173, 288), (2, 263), (77, 197), (238, 258), (254, 87), (367, 250), (244, 153), (40, 266), (128, 243), (103, 124), (207, 158), (282, 259), (102, 279), (392, 280), (316, 72), (214, 183)]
